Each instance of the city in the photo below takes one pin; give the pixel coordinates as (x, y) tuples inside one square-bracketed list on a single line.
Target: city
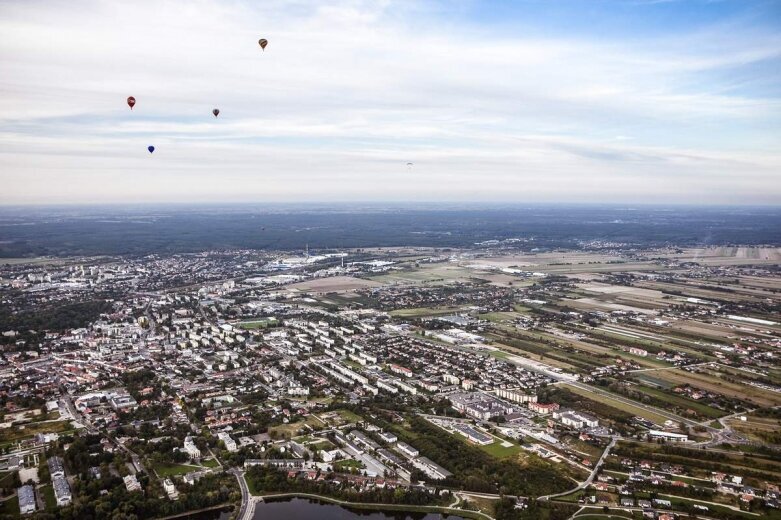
[(468, 381)]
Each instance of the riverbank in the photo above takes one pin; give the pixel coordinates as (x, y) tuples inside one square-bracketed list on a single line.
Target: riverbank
[(227, 507), (472, 515)]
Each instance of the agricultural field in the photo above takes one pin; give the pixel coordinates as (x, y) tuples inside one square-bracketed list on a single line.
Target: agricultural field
[(427, 274), (712, 382), (618, 403), (334, 284), (420, 312), (763, 429)]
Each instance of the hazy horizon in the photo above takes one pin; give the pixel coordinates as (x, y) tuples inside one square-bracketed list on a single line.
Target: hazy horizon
[(611, 101)]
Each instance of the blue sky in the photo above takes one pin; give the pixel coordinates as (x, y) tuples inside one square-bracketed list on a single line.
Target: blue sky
[(657, 101)]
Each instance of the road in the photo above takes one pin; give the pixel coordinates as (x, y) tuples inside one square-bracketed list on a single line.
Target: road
[(591, 477), (247, 508)]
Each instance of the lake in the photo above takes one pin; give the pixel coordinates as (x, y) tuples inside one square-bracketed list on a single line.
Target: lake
[(303, 509)]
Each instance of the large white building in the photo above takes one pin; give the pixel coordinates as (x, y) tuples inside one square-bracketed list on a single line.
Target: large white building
[(56, 467), (230, 444), (668, 436), (170, 489), (26, 496), (575, 419), (191, 449), (132, 483), (516, 396), (62, 491), (407, 449)]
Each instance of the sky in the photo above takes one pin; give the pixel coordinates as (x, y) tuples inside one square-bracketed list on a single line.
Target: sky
[(623, 101)]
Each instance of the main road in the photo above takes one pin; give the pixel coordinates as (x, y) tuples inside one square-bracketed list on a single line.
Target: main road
[(247, 508)]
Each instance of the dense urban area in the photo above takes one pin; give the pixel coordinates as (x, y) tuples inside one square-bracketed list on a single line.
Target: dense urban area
[(503, 380)]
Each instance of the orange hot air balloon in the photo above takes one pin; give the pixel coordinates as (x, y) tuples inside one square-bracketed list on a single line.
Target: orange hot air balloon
[(263, 42), (131, 101), (216, 112)]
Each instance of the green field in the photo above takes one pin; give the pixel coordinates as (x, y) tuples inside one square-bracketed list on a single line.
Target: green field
[(498, 316), (258, 324), (16, 433), (682, 402), (418, 312), (496, 449), (291, 429), (6, 478), (10, 507), (349, 416), (618, 405), (169, 470), (210, 463), (347, 465), (48, 497)]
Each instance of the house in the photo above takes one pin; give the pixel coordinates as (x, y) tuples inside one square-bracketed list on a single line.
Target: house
[(191, 449), (132, 483), (62, 491), (388, 437), (26, 496), (230, 444), (56, 467), (170, 489), (407, 449)]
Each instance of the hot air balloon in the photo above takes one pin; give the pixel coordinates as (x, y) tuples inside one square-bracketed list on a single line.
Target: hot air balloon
[(410, 165), (216, 112), (131, 101), (150, 148), (263, 42)]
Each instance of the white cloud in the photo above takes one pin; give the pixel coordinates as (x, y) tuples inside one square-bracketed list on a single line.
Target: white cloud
[(347, 93)]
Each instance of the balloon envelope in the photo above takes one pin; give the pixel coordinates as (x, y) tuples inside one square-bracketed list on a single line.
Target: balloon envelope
[(263, 42), (131, 101), (150, 148), (216, 112)]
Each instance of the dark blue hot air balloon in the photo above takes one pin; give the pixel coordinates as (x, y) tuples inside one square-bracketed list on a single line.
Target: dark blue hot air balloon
[(150, 148)]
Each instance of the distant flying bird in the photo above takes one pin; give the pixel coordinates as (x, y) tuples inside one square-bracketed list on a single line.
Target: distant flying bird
[(216, 112), (131, 101), (263, 42), (150, 148)]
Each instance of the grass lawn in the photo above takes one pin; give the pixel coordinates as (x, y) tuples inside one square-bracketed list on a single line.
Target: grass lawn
[(349, 416), (10, 507), (500, 354), (48, 497), (496, 449), (6, 478), (16, 433), (168, 470), (292, 429), (210, 463), (604, 516), (319, 444), (258, 324), (347, 465)]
